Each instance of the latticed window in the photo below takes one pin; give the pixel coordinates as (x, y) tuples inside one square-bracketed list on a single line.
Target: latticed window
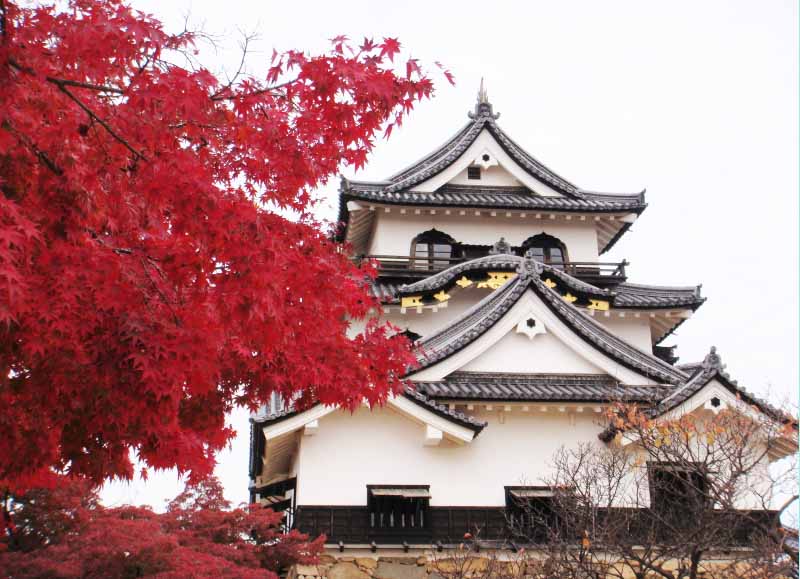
[(531, 513), (398, 509), (677, 488), (433, 250), (545, 248)]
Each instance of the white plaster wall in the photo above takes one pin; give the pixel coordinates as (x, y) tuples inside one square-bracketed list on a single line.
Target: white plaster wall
[(382, 447), (493, 176), (394, 231), (427, 321), (529, 304), (635, 331), (544, 354)]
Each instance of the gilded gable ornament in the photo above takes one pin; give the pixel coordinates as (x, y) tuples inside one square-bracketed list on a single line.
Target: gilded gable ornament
[(411, 302), (600, 305), (442, 296), (568, 297), (464, 282), (496, 279)]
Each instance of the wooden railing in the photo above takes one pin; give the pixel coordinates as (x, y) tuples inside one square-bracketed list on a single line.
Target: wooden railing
[(350, 525), (445, 524), (597, 273)]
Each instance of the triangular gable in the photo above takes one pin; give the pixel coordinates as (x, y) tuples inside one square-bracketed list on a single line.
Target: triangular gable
[(480, 136), (500, 169), (710, 388), (511, 345), (527, 295), (454, 425), (715, 394), (522, 353)]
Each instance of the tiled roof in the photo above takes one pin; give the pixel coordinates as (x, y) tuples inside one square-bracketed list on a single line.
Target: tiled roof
[(631, 295), (538, 387), (262, 419), (699, 374), (481, 196), (397, 189), (420, 398), (473, 323), (624, 295), (702, 373), (483, 117), (499, 262)]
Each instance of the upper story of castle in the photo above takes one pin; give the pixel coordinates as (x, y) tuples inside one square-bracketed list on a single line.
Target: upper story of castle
[(480, 194), (456, 202)]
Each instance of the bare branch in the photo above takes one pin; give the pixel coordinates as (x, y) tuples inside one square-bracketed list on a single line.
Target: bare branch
[(137, 155)]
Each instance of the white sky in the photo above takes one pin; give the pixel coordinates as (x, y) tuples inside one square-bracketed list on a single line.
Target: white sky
[(696, 101)]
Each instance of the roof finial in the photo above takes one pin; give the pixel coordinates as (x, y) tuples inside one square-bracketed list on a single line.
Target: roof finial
[(500, 247), (713, 361), (483, 108), (483, 96)]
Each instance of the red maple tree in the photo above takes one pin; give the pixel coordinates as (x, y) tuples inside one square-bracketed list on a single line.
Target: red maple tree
[(148, 281), (65, 533)]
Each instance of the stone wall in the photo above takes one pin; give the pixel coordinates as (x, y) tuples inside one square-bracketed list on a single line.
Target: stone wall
[(408, 567)]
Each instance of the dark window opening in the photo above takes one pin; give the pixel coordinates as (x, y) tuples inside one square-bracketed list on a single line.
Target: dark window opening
[(546, 249), (531, 513), (398, 510), (486, 157), (412, 336), (677, 489), (473, 172), (434, 250), (716, 402), (531, 322)]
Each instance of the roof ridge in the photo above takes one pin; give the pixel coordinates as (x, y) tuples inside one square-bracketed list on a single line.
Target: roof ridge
[(438, 150), (710, 368), (466, 420), (482, 316), (644, 286), (539, 168)]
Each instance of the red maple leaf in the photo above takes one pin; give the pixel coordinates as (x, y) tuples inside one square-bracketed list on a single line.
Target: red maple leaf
[(145, 286), (389, 47)]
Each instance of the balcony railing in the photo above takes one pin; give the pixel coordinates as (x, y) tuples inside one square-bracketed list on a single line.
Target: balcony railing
[(350, 524), (596, 273)]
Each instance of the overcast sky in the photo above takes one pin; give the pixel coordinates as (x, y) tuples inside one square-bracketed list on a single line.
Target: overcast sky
[(695, 101)]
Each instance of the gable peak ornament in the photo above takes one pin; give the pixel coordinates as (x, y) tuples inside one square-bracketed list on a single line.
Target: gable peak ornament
[(500, 247), (530, 326), (483, 108), (529, 268), (713, 361)]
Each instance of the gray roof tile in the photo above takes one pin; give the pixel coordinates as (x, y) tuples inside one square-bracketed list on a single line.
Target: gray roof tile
[(518, 198), (624, 295), (539, 388), (477, 320)]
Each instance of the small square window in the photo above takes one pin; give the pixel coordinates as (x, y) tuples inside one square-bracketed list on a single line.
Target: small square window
[(473, 172)]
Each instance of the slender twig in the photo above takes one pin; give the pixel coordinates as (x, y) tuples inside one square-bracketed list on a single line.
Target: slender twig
[(102, 123), (66, 82), (45, 160)]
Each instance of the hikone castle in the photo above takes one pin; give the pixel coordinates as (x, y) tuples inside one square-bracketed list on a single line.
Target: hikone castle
[(493, 265)]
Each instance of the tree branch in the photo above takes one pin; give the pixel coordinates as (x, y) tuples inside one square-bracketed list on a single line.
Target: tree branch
[(42, 156), (102, 123), (66, 82)]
